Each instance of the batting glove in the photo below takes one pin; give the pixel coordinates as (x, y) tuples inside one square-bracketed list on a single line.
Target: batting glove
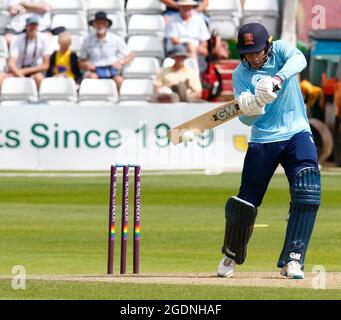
[(248, 104), (264, 90)]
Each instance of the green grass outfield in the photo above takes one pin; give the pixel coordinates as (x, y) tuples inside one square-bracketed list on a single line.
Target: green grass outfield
[(58, 226)]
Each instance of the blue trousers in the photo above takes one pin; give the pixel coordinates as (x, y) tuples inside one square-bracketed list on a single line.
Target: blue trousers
[(262, 159)]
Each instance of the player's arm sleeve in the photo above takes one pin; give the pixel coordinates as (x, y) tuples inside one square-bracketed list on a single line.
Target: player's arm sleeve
[(239, 87), (295, 60)]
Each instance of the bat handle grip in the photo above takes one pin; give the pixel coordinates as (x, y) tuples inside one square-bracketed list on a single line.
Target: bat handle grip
[(277, 87)]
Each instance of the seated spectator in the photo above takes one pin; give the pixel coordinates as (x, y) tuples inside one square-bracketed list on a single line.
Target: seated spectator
[(173, 9), (178, 82), (103, 53), (20, 11), (30, 53), (64, 62), (189, 30), (219, 47)]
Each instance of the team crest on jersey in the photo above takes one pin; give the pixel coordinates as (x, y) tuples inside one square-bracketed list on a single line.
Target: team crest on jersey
[(248, 39)]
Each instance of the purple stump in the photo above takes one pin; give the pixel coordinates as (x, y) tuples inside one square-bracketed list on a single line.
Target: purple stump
[(124, 230), (137, 210), (112, 218)]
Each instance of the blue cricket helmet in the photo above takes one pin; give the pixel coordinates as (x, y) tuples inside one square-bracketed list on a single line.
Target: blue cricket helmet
[(252, 38)]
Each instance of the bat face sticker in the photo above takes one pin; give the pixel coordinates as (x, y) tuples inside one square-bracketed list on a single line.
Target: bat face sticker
[(226, 112)]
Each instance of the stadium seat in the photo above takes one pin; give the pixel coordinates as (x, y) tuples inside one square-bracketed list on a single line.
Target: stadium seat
[(261, 7), (262, 11), (3, 21), (144, 7), (119, 25), (109, 6), (146, 46), (141, 68), (140, 24), (133, 103), (58, 90), (136, 90), (225, 17), (98, 90), (227, 28), (76, 45), (77, 42), (224, 8), (69, 6), (16, 91), (270, 22), (3, 5), (74, 23)]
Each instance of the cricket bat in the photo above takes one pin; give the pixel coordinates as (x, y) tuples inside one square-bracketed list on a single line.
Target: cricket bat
[(208, 120)]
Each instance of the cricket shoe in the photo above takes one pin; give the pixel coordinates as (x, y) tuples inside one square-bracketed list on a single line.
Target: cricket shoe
[(226, 267), (292, 270)]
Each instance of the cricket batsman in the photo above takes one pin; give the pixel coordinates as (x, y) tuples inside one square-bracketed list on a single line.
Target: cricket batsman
[(280, 135)]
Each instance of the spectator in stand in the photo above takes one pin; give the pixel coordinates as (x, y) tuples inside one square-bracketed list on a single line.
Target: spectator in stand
[(103, 53), (219, 47), (173, 9), (30, 53), (178, 82), (20, 11), (64, 62), (190, 30)]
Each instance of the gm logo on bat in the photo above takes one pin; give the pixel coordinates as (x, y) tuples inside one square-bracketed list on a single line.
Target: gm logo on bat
[(226, 112)]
